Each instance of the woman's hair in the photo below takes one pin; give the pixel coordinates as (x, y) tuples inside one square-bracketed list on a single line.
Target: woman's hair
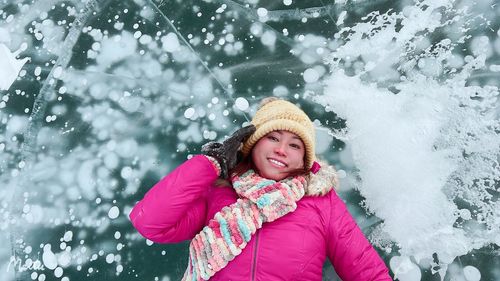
[(246, 164)]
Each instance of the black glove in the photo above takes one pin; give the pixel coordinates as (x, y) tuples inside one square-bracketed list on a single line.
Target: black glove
[(227, 151)]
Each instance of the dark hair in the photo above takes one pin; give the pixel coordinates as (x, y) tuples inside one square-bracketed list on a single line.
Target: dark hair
[(246, 164)]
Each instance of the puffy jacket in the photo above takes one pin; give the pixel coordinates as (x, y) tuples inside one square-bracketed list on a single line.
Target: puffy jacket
[(294, 247)]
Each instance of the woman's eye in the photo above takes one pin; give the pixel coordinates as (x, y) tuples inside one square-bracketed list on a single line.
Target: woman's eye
[(272, 138), (296, 146)]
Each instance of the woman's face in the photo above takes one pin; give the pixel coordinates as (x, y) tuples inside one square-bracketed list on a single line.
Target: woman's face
[(277, 154)]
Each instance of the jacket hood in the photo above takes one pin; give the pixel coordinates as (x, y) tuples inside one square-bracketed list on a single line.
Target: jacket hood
[(323, 181)]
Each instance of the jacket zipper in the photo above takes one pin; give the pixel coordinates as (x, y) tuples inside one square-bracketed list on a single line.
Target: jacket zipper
[(254, 261)]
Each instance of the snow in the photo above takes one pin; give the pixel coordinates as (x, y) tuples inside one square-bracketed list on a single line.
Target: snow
[(403, 146)]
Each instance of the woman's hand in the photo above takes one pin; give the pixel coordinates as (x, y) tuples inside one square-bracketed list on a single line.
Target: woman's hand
[(227, 151)]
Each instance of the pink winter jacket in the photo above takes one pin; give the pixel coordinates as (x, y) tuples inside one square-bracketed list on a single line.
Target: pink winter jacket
[(293, 247)]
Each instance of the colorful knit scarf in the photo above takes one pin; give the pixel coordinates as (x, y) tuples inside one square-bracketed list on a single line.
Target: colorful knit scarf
[(227, 234)]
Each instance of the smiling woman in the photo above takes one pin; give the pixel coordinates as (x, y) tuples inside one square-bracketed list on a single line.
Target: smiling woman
[(278, 154), (278, 198)]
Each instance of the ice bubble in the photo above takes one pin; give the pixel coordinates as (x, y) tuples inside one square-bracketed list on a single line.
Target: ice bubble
[(465, 214), (256, 29), (113, 212), (118, 25), (189, 113), (68, 236), (471, 273), (341, 18), (116, 48), (341, 174), (241, 103), (404, 269), (495, 67), (28, 249), (58, 272), (64, 259), (34, 275), (127, 148), (119, 268), (311, 75), (126, 172), (130, 104), (287, 2), (41, 277), (262, 12), (96, 46), (145, 39), (170, 42), (268, 38), (49, 259), (57, 72), (280, 91), (111, 160), (110, 258), (117, 235), (26, 209), (149, 242)]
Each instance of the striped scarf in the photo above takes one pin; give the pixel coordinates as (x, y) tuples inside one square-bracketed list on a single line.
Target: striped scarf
[(227, 234)]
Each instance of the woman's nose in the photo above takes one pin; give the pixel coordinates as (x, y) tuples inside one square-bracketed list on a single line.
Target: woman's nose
[(280, 149)]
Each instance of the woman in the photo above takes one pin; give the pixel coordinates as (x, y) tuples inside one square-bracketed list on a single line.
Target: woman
[(272, 216)]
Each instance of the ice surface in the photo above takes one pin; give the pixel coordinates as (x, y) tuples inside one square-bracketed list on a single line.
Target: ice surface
[(112, 100)]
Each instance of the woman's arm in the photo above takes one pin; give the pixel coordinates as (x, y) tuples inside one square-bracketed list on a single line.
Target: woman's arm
[(351, 254), (174, 209)]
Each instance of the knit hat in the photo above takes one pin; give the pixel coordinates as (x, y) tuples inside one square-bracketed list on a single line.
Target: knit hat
[(277, 114)]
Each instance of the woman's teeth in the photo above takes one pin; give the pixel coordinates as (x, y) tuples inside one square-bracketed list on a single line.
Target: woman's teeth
[(277, 162)]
